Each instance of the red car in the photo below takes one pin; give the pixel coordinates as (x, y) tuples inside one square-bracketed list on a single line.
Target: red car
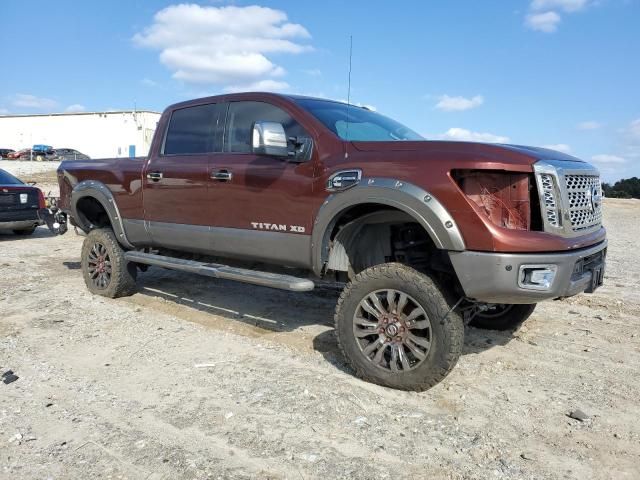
[(24, 154)]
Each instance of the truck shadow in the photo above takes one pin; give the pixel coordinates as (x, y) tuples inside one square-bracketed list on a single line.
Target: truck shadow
[(39, 233), (476, 341), (266, 308), (274, 311)]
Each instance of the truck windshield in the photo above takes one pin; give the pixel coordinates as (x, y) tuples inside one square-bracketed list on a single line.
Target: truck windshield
[(357, 124)]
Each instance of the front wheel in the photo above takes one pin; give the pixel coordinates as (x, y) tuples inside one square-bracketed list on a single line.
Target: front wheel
[(396, 329), (104, 268), (502, 316)]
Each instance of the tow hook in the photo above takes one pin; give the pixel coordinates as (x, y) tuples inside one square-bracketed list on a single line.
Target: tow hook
[(54, 218)]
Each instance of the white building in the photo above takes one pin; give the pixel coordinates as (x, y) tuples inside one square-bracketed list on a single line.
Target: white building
[(97, 134)]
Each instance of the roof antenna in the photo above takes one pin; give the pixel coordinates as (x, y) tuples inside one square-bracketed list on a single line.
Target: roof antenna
[(346, 154)]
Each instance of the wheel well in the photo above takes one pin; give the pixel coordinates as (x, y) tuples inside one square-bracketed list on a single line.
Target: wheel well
[(92, 214), (371, 234)]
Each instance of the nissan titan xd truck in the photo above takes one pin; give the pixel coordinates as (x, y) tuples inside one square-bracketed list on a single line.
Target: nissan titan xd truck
[(284, 191)]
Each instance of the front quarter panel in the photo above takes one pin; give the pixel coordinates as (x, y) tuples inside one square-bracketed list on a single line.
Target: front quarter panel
[(399, 194)]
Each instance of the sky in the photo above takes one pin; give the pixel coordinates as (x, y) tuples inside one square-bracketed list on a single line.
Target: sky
[(558, 73)]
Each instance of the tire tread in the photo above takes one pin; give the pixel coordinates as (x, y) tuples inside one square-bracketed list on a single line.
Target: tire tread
[(123, 281)]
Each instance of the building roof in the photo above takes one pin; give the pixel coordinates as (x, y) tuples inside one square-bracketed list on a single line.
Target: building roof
[(110, 112)]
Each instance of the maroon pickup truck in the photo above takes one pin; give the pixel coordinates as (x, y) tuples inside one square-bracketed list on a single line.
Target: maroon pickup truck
[(426, 235)]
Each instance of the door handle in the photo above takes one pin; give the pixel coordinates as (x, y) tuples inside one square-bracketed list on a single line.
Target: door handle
[(154, 176), (222, 175)]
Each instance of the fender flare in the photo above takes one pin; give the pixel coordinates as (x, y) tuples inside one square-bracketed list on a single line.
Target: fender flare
[(422, 206), (101, 193)]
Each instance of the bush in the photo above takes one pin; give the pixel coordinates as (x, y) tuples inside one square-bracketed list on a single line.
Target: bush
[(625, 188)]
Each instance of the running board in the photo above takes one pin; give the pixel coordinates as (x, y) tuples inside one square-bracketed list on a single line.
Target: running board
[(264, 279)]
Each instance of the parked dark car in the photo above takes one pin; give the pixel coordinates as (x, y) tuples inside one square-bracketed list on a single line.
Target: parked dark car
[(4, 152), (19, 205), (62, 154)]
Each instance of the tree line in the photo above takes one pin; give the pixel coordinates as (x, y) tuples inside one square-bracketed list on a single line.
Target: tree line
[(625, 188)]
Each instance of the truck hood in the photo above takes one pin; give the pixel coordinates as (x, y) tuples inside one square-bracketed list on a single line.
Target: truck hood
[(515, 154)]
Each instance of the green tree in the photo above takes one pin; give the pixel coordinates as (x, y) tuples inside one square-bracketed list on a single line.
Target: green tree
[(625, 188)]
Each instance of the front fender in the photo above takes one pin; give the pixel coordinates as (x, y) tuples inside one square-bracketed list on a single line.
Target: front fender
[(413, 200), (102, 194)]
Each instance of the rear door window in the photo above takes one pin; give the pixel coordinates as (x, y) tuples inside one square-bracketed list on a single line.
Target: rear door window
[(195, 130)]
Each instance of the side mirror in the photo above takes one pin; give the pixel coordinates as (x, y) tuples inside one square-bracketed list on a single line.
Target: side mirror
[(269, 138)]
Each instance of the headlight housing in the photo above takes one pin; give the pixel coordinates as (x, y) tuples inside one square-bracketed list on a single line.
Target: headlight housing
[(503, 197)]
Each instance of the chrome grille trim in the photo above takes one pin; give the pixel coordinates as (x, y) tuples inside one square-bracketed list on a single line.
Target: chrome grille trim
[(570, 197), (548, 198), (581, 190)]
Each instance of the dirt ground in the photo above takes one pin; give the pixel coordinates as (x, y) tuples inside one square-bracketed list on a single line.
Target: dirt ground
[(197, 378)]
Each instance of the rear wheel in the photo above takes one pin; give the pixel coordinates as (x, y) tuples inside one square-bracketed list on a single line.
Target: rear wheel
[(26, 231), (395, 328), (503, 316), (104, 268)]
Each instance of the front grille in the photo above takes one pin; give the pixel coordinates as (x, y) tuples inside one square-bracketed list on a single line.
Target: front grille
[(550, 206), (585, 201), (7, 199), (18, 200), (570, 197)]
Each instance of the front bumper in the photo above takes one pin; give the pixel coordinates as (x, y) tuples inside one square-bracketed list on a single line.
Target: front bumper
[(495, 277)]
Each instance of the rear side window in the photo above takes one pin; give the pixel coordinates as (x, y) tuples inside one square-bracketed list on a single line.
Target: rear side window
[(242, 116), (194, 130)]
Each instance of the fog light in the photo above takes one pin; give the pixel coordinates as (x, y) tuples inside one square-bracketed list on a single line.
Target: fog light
[(537, 277)]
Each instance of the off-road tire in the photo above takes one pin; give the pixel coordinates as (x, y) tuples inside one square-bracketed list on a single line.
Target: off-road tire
[(447, 327), (25, 231), (511, 319), (122, 280)]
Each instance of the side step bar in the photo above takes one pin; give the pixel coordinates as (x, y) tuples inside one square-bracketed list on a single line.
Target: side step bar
[(264, 279)]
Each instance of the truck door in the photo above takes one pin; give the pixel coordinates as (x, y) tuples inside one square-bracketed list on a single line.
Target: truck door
[(176, 179), (263, 204)]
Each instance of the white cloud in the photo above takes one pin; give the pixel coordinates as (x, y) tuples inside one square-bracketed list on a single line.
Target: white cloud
[(313, 72), (566, 5), (560, 147), (76, 107), (458, 104), (463, 135), (546, 22), (607, 159), (147, 82), (543, 15), (224, 46), (589, 125), (23, 100), (261, 85)]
